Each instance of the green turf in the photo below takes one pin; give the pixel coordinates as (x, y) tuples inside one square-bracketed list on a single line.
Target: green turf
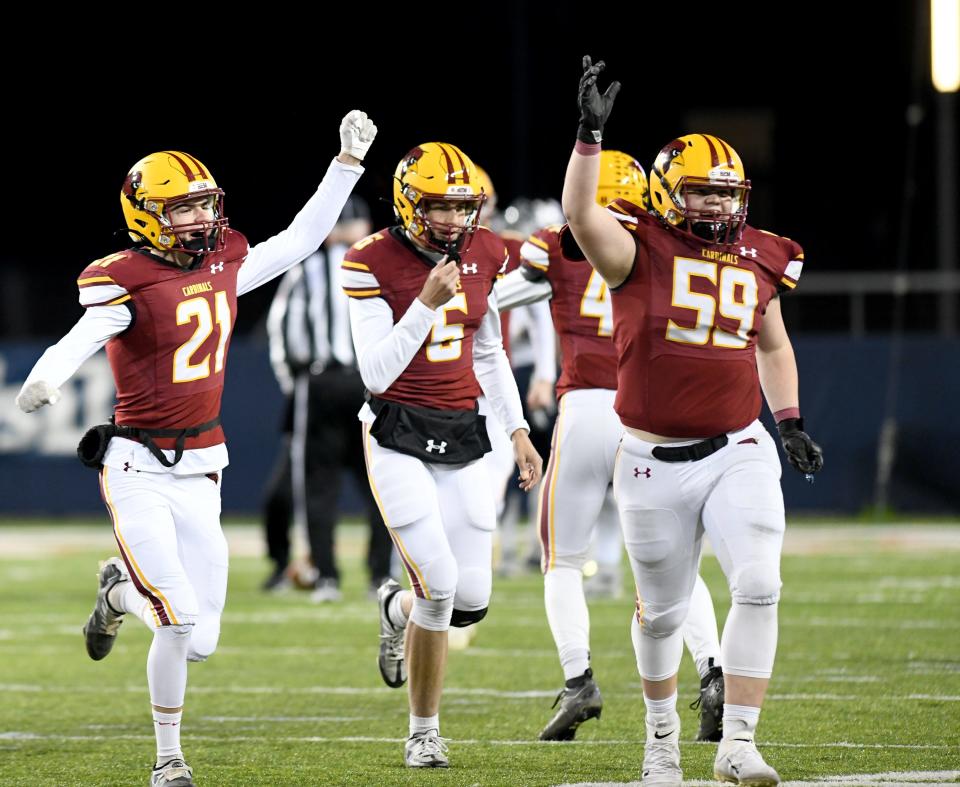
[(867, 681)]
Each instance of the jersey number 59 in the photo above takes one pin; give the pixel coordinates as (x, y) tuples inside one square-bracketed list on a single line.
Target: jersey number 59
[(734, 295)]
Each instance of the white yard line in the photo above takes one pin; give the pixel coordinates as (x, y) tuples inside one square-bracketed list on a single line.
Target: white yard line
[(453, 691), (30, 736), (839, 538)]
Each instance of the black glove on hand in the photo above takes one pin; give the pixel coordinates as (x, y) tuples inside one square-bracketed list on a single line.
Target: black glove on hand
[(804, 454), (594, 108)]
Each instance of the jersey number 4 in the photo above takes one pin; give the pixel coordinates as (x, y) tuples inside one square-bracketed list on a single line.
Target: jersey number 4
[(186, 368), (734, 295), (595, 303)]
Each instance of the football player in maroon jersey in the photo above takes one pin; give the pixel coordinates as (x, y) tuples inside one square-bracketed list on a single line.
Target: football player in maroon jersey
[(165, 309), (698, 331), (427, 335), (580, 471)]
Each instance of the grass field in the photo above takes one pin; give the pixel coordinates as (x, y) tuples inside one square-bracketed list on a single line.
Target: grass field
[(867, 679)]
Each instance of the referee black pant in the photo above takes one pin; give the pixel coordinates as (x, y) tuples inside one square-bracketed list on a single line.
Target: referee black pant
[(324, 440)]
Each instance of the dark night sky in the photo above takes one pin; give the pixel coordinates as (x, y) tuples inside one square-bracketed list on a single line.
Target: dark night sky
[(815, 106)]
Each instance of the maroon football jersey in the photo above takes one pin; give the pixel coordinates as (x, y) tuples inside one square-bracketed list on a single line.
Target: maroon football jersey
[(581, 311), (685, 326), (385, 265), (169, 364)]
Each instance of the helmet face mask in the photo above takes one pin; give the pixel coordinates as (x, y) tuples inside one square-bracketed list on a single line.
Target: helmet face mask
[(159, 183), (719, 225), (448, 236), (686, 173), (437, 172), (198, 237)]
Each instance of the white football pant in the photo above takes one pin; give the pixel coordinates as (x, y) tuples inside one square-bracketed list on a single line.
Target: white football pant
[(734, 495), (441, 519), (168, 530)]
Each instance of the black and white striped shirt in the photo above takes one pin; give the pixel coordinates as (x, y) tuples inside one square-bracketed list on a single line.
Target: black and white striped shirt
[(309, 319)]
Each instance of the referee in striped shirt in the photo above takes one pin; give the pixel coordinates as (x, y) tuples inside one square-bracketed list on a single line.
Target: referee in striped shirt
[(311, 352)]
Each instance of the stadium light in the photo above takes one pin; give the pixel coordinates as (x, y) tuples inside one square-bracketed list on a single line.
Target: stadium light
[(945, 45)]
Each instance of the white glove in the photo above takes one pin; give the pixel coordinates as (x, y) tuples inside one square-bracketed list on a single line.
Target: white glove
[(356, 133), (36, 395)]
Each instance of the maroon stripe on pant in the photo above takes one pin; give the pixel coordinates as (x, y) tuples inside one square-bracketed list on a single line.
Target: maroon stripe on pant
[(414, 580), (545, 498), (156, 603)]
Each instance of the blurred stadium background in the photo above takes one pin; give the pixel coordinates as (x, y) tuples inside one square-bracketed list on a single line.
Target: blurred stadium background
[(851, 150)]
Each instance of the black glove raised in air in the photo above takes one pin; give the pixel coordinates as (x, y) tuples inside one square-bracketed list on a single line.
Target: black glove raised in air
[(804, 454), (594, 108)]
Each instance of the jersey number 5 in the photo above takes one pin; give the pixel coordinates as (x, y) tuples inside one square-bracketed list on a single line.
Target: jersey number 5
[(446, 339), (186, 368), (735, 297)]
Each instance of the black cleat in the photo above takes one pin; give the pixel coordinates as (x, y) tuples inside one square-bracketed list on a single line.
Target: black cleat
[(577, 705), (277, 581), (100, 630), (710, 703)]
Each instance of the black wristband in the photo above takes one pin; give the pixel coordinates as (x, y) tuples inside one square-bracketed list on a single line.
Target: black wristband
[(589, 136)]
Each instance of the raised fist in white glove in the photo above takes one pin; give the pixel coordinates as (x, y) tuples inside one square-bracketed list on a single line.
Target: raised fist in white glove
[(36, 395), (356, 133)]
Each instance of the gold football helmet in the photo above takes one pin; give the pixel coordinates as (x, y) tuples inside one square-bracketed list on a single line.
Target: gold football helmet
[(705, 164), (486, 186), (622, 177), (431, 172), (158, 182)]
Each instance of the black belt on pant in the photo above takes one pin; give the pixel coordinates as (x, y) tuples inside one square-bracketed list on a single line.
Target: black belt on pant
[(145, 437), (690, 453)]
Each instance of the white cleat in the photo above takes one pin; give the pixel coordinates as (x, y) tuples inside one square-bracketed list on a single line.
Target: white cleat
[(393, 668), (426, 750), (175, 773), (739, 762), (326, 590), (661, 754)]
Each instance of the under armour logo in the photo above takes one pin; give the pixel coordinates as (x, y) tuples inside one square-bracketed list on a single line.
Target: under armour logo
[(637, 472), (126, 466), (745, 252), (216, 267), (470, 267), (442, 448)]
